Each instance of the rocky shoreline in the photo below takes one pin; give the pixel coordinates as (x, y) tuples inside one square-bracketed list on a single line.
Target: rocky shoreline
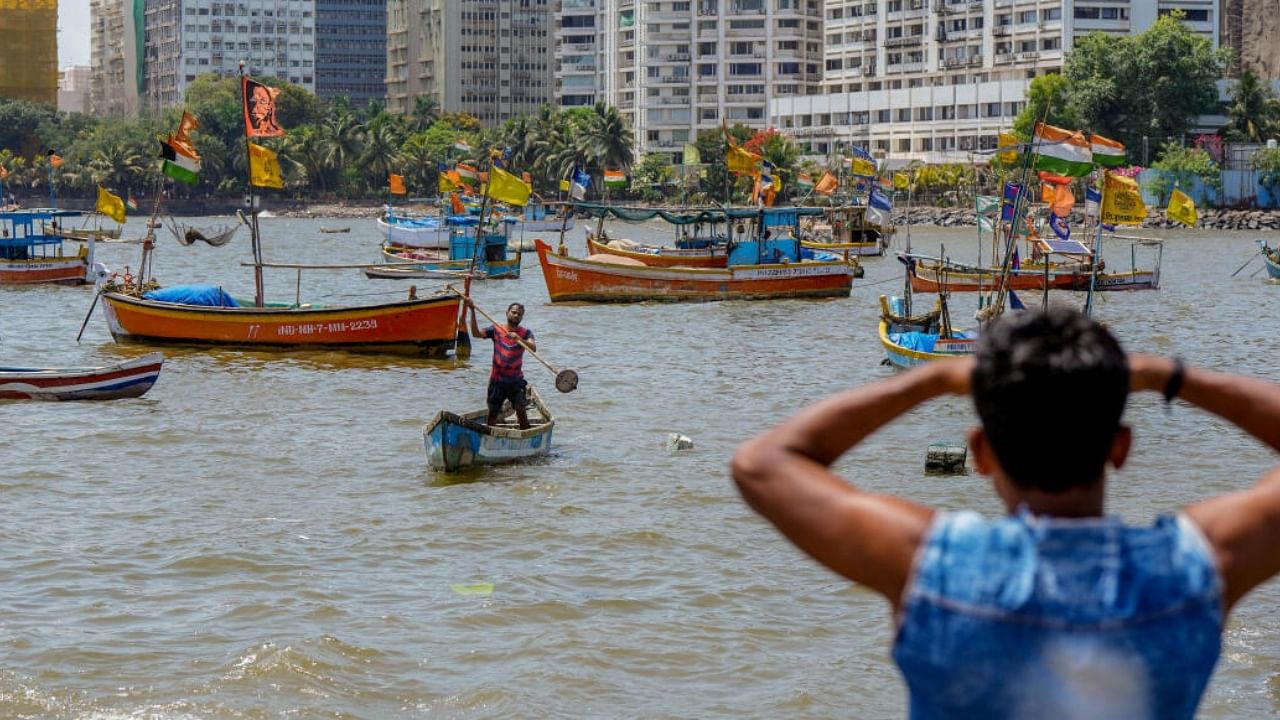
[(1210, 218)]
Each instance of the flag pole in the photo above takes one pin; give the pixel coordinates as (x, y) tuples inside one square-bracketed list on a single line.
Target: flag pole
[(255, 243)]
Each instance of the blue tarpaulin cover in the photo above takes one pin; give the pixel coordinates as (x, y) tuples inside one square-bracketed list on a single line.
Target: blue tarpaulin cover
[(208, 295)]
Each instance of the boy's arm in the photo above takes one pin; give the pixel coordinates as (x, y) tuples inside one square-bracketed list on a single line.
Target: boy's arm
[(475, 329), (783, 473), (1243, 526)]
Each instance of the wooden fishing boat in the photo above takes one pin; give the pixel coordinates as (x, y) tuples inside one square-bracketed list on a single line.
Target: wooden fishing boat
[(495, 259), (1271, 260), (410, 272), (424, 326), (845, 231), (335, 230), (909, 341), (417, 232), (31, 249), (85, 233), (128, 379), (455, 441), (933, 275), (714, 256), (624, 280)]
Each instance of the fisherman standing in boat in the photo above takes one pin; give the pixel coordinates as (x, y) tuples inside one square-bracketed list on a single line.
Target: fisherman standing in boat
[(506, 380), (1056, 610)]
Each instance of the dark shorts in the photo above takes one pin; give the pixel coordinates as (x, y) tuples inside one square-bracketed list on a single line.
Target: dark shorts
[(502, 390)]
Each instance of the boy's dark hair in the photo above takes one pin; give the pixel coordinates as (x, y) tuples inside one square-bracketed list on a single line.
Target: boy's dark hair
[(1050, 387), (519, 305)]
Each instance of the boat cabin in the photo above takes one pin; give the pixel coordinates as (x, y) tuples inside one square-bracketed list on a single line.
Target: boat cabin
[(767, 235), (31, 234)]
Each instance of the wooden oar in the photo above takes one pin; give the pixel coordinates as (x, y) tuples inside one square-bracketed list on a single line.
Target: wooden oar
[(566, 380), (89, 314), (1246, 263)]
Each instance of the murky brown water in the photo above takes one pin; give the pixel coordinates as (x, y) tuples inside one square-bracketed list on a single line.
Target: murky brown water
[(259, 536)]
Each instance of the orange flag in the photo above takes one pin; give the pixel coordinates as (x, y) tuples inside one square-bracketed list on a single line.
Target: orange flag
[(55, 159), (259, 109), (181, 139), (1063, 201), (397, 184), (827, 184), (456, 205)]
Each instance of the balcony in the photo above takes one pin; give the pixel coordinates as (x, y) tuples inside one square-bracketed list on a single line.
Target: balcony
[(1000, 31), (674, 100), (906, 41), (676, 57), (1028, 55)]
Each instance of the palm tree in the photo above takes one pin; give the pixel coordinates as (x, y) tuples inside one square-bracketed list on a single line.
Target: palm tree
[(426, 110), (1254, 109), (381, 154), (116, 165), (341, 138), (606, 139)]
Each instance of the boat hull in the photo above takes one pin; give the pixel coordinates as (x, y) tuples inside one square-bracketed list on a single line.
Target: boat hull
[(426, 326), (932, 278), (129, 379), (440, 263), (573, 279), (415, 236), (904, 357), (1273, 267), (861, 249), (64, 270), (711, 257), (458, 441)]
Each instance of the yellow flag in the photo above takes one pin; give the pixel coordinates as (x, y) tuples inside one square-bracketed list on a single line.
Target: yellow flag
[(1122, 201), (901, 181), (507, 188), (445, 184), (1005, 140), (862, 168), (564, 185), (264, 167), (110, 205), (1182, 208), (742, 161)]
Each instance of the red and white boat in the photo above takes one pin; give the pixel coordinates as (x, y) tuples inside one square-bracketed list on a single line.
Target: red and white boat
[(128, 379)]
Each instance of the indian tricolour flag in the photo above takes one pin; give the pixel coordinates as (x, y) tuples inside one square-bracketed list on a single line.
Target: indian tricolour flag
[(467, 171), (1106, 152), (462, 145), (179, 165), (1061, 151), (615, 178)]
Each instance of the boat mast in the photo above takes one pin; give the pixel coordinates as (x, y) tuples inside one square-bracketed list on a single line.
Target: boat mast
[(255, 242)]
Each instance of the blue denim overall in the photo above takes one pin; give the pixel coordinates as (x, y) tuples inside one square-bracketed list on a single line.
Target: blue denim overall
[(1045, 618)]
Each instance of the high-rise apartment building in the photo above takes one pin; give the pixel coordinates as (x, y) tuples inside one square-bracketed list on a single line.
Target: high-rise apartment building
[(29, 50), (490, 58), (188, 38), (674, 68), (73, 89), (935, 80), (115, 70), (351, 50)]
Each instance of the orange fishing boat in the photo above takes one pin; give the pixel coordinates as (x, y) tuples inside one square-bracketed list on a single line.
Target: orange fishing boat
[(934, 275), (624, 280), (426, 326), (714, 256)]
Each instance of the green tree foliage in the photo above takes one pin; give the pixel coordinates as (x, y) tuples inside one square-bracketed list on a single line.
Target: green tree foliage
[(1181, 166), (1051, 92), (651, 178), (1254, 110), (1151, 85)]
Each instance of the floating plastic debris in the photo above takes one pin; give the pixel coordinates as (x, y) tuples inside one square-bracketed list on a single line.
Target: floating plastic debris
[(481, 589), (676, 441)]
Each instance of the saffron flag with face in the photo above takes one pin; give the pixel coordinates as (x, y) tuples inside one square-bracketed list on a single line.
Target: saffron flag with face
[(259, 109)]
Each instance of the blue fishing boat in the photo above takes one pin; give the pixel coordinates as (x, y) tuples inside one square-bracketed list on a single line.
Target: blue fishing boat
[(1271, 258), (31, 249), (454, 441), (492, 257)]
